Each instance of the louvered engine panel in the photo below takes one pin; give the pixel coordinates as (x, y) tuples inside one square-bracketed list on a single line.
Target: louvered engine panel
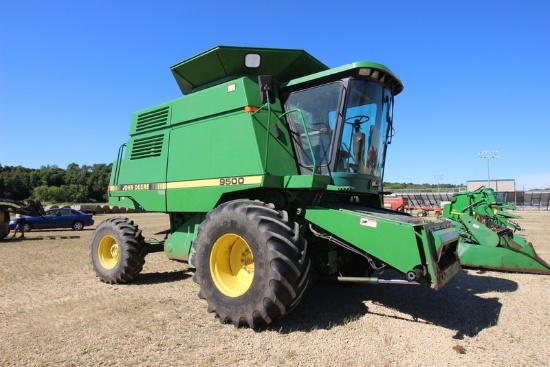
[(147, 147), (153, 119)]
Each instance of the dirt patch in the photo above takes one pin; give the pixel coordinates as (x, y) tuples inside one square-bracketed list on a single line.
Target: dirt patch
[(54, 311)]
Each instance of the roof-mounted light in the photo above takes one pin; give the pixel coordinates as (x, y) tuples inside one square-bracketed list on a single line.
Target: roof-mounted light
[(252, 60), (365, 71), (373, 73), (383, 77)]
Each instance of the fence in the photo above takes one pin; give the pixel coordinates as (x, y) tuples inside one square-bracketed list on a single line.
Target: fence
[(527, 200), (523, 200)]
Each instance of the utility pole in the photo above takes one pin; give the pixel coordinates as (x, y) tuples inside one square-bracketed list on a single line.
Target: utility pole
[(487, 154)]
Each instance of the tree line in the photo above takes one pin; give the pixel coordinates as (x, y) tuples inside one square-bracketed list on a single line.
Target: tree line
[(51, 184)]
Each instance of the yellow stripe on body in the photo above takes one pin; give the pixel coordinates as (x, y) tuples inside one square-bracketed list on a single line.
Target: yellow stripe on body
[(212, 182)]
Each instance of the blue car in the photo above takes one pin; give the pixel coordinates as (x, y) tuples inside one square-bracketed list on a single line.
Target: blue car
[(57, 218)]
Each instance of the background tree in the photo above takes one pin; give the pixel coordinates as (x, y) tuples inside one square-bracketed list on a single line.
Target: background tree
[(53, 184)]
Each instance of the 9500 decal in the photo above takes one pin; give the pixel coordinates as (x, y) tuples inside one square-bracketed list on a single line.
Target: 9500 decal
[(231, 181)]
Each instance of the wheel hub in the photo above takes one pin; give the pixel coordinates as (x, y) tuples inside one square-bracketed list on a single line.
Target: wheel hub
[(232, 265), (248, 262), (108, 252)]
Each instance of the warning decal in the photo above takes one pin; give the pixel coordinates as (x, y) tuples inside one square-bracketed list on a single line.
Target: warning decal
[(369, 222)]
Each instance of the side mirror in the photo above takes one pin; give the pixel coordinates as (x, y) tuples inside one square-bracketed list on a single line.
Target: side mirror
[(267, 91)]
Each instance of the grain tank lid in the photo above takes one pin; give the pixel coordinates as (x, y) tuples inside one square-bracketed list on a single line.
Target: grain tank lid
[(222, 62)]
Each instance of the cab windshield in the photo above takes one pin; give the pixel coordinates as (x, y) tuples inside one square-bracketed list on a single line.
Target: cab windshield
[(341, 139), (365, 128)]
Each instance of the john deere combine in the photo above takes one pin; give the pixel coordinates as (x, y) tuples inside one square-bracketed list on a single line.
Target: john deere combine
[(270, 169), (488, 236)]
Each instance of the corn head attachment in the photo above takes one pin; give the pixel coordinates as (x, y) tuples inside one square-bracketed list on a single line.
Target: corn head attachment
[(424, 252), (487, 234)]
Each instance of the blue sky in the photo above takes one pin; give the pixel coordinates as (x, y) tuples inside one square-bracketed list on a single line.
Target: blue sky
[(476, 74)]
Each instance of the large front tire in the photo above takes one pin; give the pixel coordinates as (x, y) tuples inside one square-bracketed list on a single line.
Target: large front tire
[(251, 263), (117, 250)]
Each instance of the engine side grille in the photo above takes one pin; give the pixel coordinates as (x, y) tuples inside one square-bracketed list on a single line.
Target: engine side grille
[(147, 147), (152, 119)]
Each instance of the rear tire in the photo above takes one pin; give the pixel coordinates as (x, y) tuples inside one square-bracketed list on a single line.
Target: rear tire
[(251, 262), (117, 250)]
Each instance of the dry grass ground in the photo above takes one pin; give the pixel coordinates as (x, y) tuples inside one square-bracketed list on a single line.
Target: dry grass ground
[(54, 311)]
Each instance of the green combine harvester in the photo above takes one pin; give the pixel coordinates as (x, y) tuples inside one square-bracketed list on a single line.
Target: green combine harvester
[(270, 168), (488, 238)]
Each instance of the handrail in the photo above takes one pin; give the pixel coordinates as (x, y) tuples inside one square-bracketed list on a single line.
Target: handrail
[(118, 161), (307, 136)]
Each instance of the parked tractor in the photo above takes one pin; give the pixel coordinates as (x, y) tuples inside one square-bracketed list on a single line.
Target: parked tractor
[(270, 168), (7, 206), (488, 236)]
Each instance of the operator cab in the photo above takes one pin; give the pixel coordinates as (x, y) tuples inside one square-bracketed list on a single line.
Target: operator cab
[(343, 126)]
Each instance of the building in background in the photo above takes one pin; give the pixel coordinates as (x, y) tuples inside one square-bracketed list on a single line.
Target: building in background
[(497, 185)]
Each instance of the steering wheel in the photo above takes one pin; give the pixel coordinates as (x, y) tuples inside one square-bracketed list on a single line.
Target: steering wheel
[(357, 120)]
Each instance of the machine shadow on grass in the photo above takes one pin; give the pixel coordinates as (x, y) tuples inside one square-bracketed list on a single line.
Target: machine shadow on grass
[(456, 307)]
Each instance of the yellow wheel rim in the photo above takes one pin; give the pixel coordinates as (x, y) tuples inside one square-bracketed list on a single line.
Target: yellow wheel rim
[(232, 265), (107, 252)]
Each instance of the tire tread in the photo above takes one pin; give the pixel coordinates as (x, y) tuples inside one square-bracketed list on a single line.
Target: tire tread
[(287, 261)]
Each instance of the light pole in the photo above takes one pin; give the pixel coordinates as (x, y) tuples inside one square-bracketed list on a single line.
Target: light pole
[(487, 154), (438, 178)]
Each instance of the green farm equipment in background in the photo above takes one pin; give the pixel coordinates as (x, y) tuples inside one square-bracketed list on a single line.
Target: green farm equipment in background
[(488, 237), (7, 206), (271, 169)]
